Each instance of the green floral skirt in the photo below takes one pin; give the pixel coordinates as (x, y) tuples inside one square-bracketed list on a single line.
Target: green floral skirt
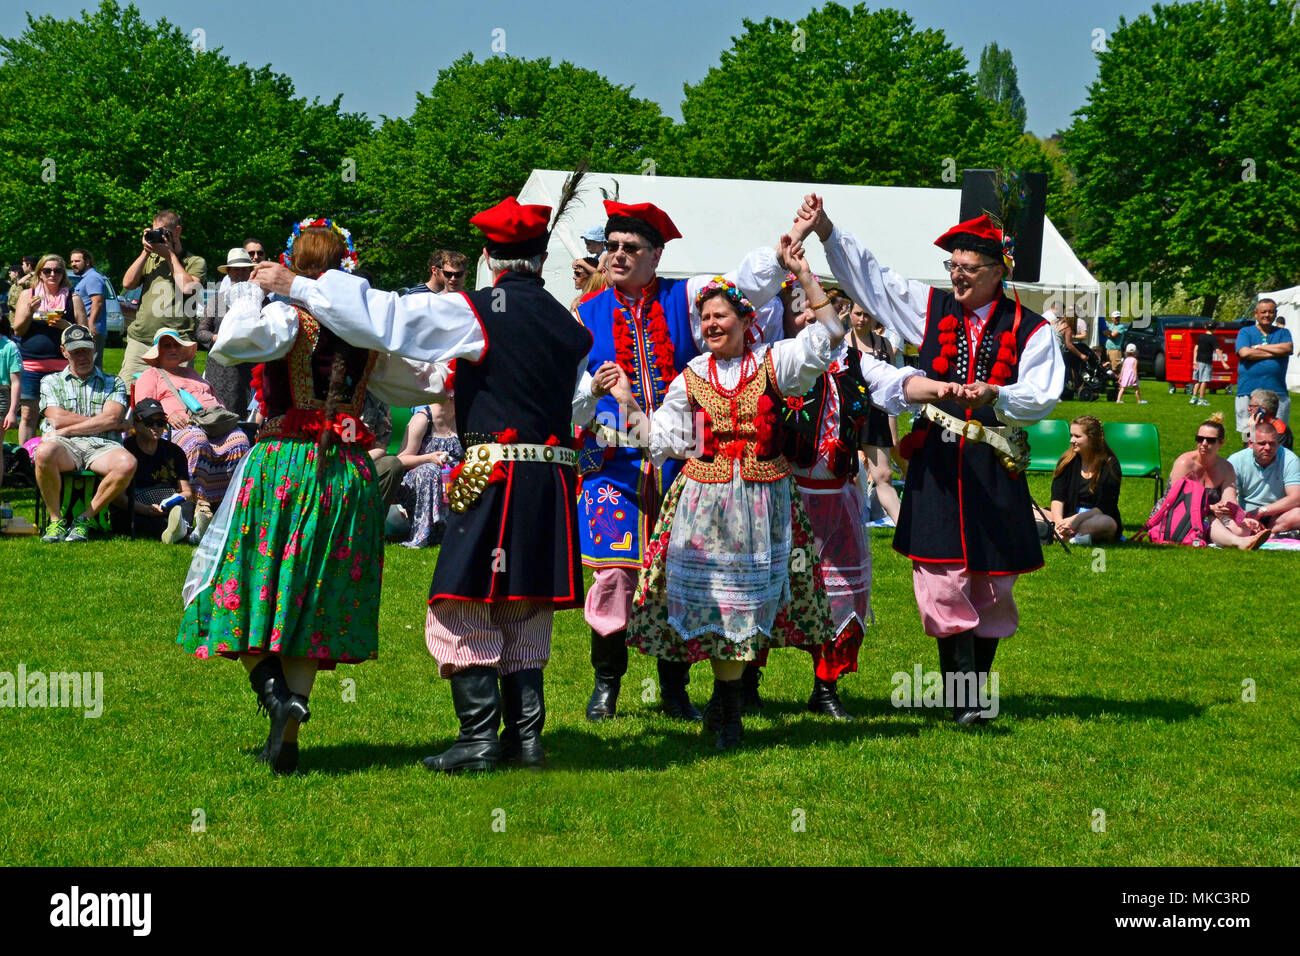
[(300, 570), (804, 622)]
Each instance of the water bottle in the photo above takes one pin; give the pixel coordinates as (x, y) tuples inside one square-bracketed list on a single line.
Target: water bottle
[(446, 482)]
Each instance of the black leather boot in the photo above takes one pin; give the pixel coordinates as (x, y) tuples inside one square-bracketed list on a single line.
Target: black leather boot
[(749, 682), (478, 705), (523, 713), (986, 648), (676, 703), (609, 661), (965, 702), (826, 700), (730, 702), (282, 705)]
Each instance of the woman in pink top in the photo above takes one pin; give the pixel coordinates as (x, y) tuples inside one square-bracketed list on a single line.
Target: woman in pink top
[(212, 460), (43, 312)]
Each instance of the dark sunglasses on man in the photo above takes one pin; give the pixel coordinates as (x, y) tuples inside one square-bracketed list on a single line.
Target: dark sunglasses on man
[(452, 275)]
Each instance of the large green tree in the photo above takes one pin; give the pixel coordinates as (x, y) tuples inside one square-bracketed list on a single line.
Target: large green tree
[(844, 96), (1188, 150), (996, 80), (108, 118), (475, 138)]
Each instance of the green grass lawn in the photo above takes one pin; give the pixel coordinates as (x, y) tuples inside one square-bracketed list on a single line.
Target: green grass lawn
[(1122, 693)]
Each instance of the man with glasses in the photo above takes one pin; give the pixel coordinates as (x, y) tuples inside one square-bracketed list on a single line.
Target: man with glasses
[(649, 326), (162, 474), (1264, 350), (447, 272), (965, 521), (1268, 481), (84, 411)]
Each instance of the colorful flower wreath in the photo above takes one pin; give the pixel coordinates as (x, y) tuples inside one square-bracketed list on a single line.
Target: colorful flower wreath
[(733, 294), (349, 261)]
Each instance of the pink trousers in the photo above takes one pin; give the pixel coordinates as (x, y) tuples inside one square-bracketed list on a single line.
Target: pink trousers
[(952, 600), (511, 636)]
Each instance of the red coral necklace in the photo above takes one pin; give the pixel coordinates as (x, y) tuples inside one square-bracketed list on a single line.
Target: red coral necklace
[(748, 369)]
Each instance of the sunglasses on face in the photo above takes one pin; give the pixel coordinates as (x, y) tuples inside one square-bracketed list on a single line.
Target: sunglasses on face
[(1212, 439), (631, 248), (158, 423), (51, 272), (256, 253), (452, 275)]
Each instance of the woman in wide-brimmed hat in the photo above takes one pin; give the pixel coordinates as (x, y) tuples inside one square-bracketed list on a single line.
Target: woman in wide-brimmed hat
[(212, 456)]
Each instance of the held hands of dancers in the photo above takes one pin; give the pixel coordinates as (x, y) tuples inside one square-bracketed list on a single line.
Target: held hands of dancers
[(792, 253), (811, 218), (273, 277), (919, 390)]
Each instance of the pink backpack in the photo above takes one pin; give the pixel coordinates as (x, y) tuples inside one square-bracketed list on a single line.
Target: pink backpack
[(1181, 517)]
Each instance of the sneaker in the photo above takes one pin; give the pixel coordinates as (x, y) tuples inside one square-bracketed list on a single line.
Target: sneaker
[(1143, 402), (1082, 540), (176, 528), (1193, 401), (57, 531), (81, 529)]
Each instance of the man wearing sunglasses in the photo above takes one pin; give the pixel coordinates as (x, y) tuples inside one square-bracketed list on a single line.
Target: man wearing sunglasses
[(649, 326), (965, 521), (447, 270)]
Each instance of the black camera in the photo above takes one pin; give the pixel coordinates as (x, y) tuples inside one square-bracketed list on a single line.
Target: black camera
[(157, 236)]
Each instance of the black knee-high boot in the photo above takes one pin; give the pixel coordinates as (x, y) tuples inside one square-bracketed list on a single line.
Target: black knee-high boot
[(478, 706), (729, 697), (609, 661), (676, 702), (523, 714), (957, 661)]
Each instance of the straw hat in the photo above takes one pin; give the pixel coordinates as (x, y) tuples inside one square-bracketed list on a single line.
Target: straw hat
[(236, 259), (191, 347)]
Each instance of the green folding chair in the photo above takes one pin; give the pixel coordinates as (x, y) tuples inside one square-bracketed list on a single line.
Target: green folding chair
[(1137, 446), (1048, 440), (78, 490), (401, 418)]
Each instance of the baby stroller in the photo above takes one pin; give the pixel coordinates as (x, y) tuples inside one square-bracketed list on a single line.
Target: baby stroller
[(1090, 379)]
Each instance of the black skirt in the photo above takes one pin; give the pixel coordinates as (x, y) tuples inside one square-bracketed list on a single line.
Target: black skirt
[(876, 430)]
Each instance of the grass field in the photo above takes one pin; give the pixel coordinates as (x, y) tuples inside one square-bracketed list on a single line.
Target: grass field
[(1122, 694)]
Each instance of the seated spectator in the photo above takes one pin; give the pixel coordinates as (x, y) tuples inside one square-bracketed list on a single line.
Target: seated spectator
[(212, 459), (1268, 481), (161, 472), (84, 411), (1261, 406), (1085, 486), (11, 371), (430, 449), (1225, 524)]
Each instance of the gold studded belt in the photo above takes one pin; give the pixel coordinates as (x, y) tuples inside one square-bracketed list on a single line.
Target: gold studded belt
[(476, 473)]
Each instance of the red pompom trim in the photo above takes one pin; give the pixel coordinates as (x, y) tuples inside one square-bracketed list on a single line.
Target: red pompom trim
[(734, 448), (256, 381), (455, 473), (765, 427), (552, 440), (507, 437), (910, 443), (950, 351), (707, 439), (940, 365), (1005, 355), (1002, 372), (947, 323), (498, 473)]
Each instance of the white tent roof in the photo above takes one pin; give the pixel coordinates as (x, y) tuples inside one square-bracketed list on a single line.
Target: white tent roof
[(722, 219), (1288, 307)]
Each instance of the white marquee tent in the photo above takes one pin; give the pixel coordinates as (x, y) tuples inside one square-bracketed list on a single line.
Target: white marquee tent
[(722, 219)]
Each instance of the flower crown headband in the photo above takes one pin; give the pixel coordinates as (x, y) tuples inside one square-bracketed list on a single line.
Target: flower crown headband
[(733, 294), (349, 260)]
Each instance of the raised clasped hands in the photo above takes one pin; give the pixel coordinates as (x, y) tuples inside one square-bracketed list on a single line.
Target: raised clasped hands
[(273, 277), (811, 218), (792, 254)]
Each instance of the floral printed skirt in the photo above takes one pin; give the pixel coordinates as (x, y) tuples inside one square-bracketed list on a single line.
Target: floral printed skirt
[(729, 572), (300, 570)]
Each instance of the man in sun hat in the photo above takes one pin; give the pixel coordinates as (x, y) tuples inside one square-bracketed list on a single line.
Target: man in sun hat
[(651, 329), (83, 411), (966, 522)]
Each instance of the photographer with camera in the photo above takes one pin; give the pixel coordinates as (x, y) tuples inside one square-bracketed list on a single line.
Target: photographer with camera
[(168, 275)]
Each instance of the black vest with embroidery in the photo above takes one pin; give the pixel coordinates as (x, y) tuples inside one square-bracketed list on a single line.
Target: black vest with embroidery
[(801, 419), (519, 541), (959, 504)]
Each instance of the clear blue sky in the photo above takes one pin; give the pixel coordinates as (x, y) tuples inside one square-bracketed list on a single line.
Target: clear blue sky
[(378, 56)]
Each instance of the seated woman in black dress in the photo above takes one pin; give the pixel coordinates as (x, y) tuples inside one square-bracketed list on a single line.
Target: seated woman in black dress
[(1085, 486)]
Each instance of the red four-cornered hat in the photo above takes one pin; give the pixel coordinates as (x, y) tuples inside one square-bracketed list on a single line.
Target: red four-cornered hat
[(648, 213), (509, 222), (981, 227)]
